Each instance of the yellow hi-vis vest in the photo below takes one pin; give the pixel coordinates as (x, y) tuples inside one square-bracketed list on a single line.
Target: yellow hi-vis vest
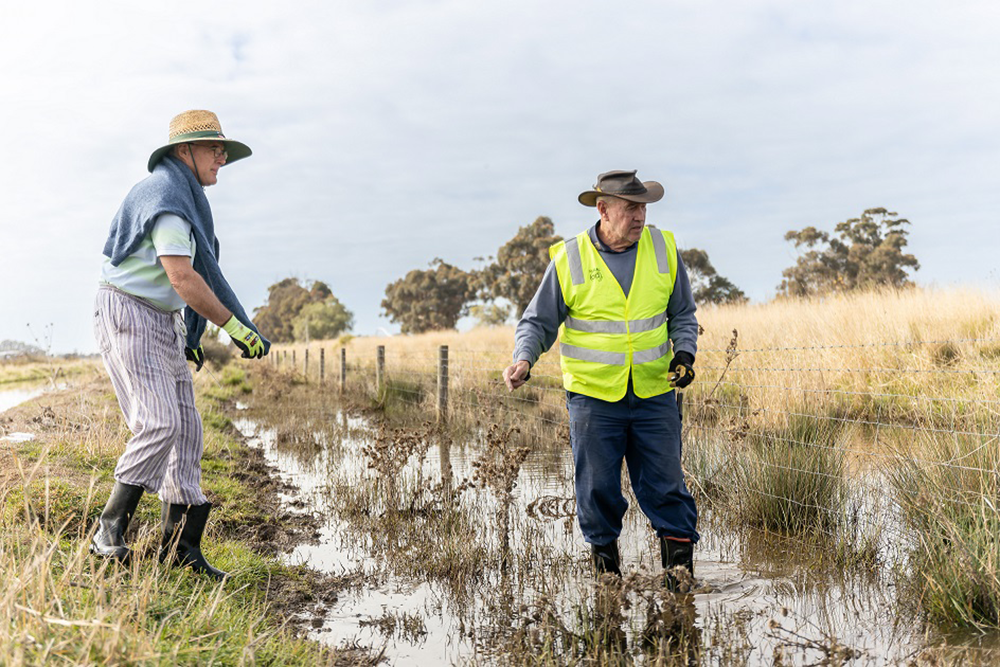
[(606, 335)]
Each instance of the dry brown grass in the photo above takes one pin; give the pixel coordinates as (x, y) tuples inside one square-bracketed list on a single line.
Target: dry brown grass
[(918, 356)]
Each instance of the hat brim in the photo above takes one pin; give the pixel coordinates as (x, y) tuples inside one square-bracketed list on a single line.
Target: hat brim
[(237, 150), (653, 193)]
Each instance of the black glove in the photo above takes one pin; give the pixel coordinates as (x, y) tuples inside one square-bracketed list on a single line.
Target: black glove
[(681, 370), (197, 355)]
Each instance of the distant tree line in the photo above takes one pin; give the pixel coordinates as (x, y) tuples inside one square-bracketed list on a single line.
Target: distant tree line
[(860, 253), (437, 297)]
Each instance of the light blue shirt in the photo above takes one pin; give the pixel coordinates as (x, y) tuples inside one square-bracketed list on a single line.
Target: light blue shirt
[(142, 274)]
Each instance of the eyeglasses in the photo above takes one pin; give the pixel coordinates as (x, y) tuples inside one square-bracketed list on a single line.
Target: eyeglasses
[(217, 151)]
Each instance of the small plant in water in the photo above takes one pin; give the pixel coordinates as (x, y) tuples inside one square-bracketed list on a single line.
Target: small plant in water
[(497, 469), (389, 453)]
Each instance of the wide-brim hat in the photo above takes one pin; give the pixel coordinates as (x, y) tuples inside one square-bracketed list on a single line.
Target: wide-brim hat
[(624, 185), (198, 125)]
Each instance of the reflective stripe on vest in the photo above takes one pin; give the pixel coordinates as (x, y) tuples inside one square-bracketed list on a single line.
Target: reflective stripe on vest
[(613, 327), (575, 263), (652, 354), (608, 338), (597, 356), (660, 246)]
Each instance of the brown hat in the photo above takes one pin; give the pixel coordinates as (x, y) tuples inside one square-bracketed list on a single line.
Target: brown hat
[(624, 185), (199, 125)]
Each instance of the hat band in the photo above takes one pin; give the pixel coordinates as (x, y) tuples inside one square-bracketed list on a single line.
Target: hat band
[(630, 189), (204, 134)]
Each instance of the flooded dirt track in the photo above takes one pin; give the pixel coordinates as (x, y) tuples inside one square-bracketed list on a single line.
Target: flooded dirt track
[(522, 586), (12, 397)]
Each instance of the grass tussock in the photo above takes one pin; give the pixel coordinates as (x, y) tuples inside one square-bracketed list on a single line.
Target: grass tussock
[(949, 493), (792, 480)]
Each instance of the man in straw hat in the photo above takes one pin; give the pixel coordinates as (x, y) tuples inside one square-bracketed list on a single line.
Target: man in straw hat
[(161, 256), (619, 296)]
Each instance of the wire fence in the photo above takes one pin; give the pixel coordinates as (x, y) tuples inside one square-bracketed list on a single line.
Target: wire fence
[(792, 438)]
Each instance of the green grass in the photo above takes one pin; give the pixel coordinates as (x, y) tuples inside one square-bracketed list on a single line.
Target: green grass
[(950, 500), (791, 480), (60, 604)]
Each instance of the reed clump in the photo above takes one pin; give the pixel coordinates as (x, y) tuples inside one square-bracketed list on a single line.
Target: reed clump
[(792, 480), (949, 495)]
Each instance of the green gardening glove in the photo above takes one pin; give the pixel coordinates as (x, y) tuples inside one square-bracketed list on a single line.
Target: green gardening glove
[(197, 355), (245, 338)]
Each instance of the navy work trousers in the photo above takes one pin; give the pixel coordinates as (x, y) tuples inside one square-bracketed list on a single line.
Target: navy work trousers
[(646, 433)]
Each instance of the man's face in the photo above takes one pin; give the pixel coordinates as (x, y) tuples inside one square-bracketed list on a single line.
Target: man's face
[(622, 221), (208, 157)]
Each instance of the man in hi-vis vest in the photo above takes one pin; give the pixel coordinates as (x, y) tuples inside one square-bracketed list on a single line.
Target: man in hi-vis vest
[(620, 298)]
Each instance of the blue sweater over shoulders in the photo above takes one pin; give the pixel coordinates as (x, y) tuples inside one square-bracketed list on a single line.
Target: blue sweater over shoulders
[(173, 188)]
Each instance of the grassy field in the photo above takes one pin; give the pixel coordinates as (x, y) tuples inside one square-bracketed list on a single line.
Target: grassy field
[(60, 605), (861, 429)]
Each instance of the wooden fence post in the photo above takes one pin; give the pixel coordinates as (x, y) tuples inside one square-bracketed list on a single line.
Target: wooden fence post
[(442, 394), (343, 370), (305, 364), (380, 371), (322, 365), (293, 360)]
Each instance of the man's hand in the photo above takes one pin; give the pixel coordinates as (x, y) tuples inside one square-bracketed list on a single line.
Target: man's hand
[(197, 355), (681, 370), (516, 374), (245, 338)]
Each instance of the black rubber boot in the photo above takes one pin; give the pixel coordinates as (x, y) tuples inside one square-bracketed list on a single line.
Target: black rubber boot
[(109, 540), (674, 554), (184, 525), (606, 558)]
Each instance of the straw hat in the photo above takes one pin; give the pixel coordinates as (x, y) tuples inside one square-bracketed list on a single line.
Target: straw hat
[(624, 185), (199, 125)]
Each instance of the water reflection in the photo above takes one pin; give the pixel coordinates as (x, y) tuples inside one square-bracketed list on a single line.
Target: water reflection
[(10, 398), (755, 591)]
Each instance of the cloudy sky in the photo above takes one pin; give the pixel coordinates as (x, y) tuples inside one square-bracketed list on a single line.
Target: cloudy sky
[(389, 133)]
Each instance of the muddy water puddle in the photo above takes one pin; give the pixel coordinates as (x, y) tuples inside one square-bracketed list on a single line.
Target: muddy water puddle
[(754, 597), (10, 398)]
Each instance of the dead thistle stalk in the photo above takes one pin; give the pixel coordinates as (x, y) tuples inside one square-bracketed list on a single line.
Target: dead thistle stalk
[(497, 469)]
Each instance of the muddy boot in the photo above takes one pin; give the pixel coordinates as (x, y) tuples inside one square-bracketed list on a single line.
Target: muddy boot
[(677, 554), (109, 540), (606, 558), (183, 526)]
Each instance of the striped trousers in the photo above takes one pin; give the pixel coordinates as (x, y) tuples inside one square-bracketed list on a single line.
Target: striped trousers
[(143, 350)]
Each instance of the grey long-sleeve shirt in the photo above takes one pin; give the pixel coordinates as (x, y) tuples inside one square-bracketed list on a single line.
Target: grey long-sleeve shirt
[(539, 325)]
